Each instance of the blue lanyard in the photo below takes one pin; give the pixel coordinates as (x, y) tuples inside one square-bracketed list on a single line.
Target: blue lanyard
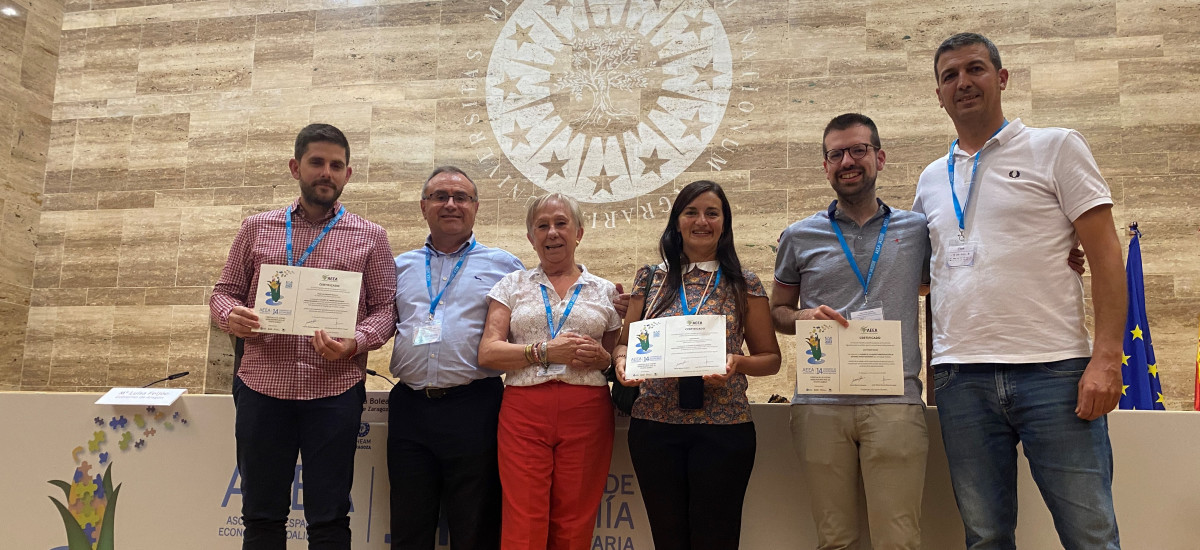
[(961, 210), (683, 296), (433, 301), (566, 312), (313, 246), (866, 283)]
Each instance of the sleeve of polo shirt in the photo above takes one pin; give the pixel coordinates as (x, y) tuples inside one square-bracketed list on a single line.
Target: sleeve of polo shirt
[(1077, 177), (379, 284), (787, 271), (234, 283)]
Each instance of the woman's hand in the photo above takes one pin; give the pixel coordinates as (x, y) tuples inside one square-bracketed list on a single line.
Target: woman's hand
[(590, 354), (730, 370), (561, 350), (619, 366)]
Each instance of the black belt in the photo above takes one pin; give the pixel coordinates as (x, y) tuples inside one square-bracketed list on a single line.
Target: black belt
[(438, 393)]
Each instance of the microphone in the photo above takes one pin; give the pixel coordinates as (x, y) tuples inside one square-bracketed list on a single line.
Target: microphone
[(175, 376), (385, 379)]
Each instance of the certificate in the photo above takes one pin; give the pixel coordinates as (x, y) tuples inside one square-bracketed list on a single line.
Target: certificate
[(865, 358), (688, 345), (303, 300)]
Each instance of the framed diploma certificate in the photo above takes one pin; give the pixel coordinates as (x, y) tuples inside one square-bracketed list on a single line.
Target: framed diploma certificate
[(303, 300), (688, 345), (865, 358)]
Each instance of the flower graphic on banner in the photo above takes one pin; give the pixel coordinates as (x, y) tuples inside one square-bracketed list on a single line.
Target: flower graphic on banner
[(89, 506)]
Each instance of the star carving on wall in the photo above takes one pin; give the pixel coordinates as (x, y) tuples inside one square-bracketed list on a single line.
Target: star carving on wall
[(653, 163), (518, 135), (706, 74), (508, 86), (603, 181), (554, 166), (558, 5), (696, 24), (693, 127), (521, 36)]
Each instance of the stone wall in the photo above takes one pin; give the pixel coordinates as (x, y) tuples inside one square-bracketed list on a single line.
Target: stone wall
[(173, 121), (29, 38)]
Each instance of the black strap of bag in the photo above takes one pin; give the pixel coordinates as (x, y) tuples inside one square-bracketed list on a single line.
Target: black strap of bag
[(624, 396)]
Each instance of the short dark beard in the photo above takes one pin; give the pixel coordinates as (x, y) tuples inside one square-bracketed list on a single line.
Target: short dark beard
[(308, 193)]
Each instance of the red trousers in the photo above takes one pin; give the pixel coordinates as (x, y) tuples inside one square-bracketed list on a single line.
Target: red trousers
[(555, 444)]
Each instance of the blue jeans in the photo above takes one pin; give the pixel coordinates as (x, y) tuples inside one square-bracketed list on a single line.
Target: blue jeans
[(985, 410)]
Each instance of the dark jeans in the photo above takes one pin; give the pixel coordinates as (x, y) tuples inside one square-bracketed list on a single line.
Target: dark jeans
[(271, 433), (442, 452), (693, 480), (985, 410)]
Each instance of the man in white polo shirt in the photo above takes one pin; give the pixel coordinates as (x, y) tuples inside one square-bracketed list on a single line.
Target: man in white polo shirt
[(1013, 359)]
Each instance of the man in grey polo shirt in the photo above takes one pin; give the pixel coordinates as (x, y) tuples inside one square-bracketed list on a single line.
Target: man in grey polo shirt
[(838, 436)]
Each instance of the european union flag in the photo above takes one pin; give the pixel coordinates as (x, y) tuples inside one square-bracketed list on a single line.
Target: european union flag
[(1141, 389)]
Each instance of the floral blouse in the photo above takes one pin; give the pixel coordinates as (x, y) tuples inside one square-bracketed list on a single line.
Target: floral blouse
[(592, 315), (724, 404)]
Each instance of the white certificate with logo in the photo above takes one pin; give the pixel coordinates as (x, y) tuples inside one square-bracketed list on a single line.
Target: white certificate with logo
[(303, 300), (688, 345), (866, 358)]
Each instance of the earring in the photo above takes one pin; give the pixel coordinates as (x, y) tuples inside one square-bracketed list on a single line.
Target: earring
[(577, 241)]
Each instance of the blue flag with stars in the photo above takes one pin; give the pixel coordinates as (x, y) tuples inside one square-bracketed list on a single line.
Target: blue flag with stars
[(1141, 389)]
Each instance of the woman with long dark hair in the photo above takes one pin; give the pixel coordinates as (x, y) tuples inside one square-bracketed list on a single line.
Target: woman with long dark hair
[(691, 439)]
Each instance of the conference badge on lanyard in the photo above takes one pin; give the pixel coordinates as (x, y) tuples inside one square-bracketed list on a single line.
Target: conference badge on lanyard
[(429, 331), (960, 252), (557, 368)]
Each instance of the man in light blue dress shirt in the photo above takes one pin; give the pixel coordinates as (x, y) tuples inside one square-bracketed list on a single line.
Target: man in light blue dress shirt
[(443, 412)]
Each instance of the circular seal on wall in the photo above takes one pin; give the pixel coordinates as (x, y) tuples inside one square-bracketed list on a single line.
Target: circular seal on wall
[(608, 101)]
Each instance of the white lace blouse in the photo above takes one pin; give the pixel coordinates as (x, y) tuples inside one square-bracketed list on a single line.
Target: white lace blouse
[(592, 315)]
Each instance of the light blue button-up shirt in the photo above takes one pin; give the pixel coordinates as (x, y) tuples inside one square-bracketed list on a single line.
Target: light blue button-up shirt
[(451, 361)]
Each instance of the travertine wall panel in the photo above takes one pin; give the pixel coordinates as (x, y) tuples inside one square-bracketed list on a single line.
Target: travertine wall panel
[(173, 121), (29, 51)]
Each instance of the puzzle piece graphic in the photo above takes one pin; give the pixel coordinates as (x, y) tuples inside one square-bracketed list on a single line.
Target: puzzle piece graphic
[(90, 531), (79, 489), (140, 443), (149, 432), (158, 416), (75, 453), (97, 438), (118, 423), (168, 425), (99, 493), (85, 468), (126, 438), (104, 458), (151, 409), (99, 421), (139, 421)]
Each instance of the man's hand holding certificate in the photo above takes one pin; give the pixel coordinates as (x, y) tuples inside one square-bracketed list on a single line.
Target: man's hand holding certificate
[(302, 300), (667, 347), (865, 358)]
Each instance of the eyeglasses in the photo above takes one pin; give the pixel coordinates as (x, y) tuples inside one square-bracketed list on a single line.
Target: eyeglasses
[(442, 197), (857, 152)]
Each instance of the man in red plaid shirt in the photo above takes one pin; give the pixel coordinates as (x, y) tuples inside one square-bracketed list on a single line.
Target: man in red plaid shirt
[(301, 395)]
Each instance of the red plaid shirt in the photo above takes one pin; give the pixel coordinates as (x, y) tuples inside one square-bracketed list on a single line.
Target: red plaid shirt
[(286, 366)]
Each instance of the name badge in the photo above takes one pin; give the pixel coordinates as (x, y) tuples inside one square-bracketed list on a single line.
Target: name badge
[(552, 369), (873, 314), (960, 255), (428, 332)]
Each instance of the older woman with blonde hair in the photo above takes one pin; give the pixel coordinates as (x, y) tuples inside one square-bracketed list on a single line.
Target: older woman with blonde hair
[(552, 328)]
